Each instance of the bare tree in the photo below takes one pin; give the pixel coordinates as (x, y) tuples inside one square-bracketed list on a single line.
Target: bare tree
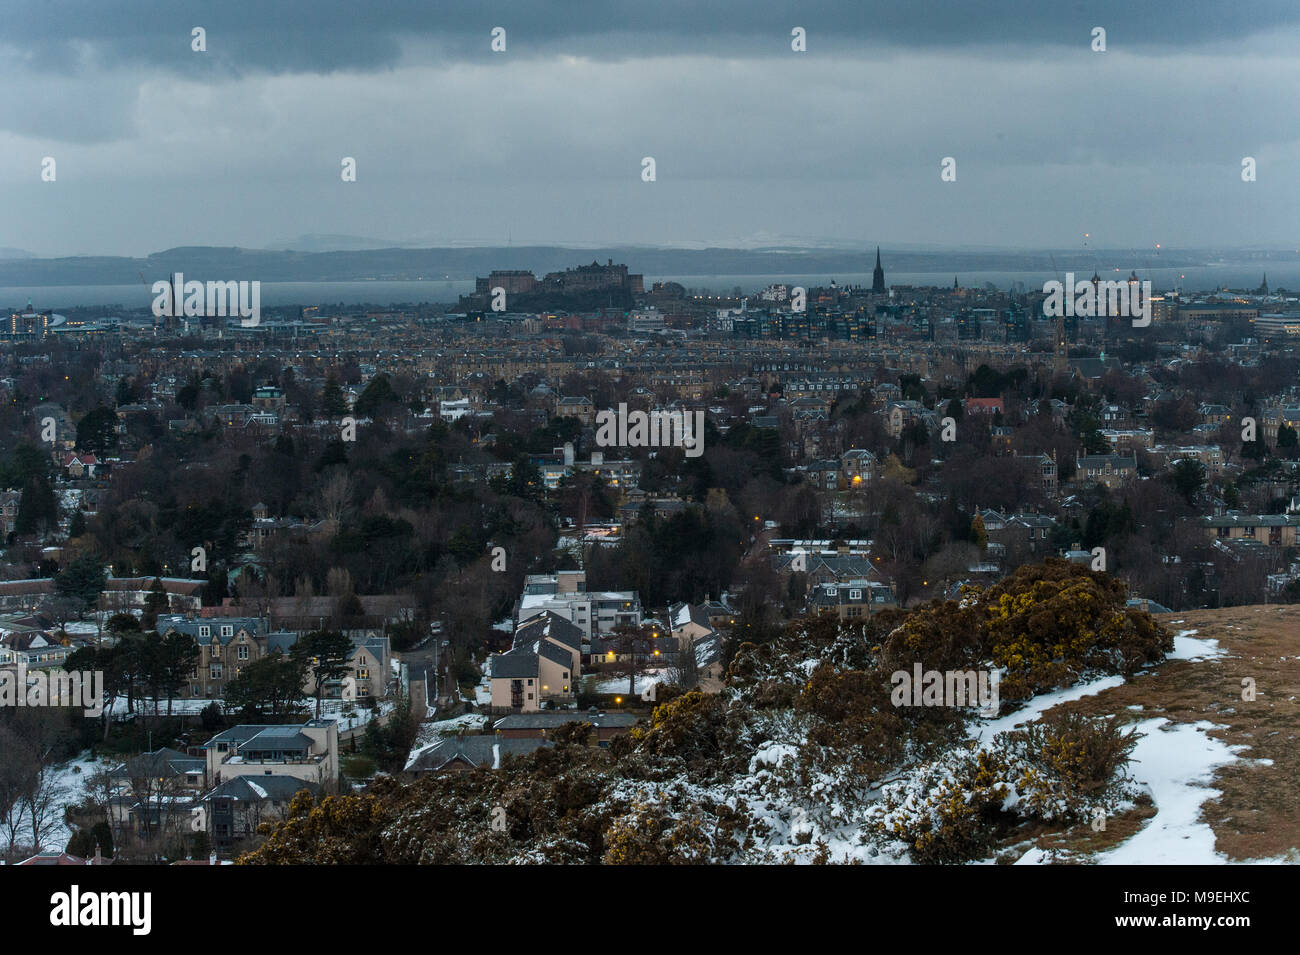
[(634, 652), (44, 802), (61, 609), (685, 672), (16, 771), (335, 496)]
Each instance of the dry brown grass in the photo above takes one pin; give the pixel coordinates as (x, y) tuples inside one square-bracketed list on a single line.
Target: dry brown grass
[(1257, 815)]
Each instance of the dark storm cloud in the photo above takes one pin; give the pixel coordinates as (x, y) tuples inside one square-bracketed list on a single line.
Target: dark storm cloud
[(326, 35), (158, 146)]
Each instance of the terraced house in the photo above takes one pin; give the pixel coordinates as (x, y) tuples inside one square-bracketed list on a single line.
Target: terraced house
[(1275, 530)]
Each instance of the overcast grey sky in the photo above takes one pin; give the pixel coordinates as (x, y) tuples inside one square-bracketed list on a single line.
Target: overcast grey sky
[(158, 146)]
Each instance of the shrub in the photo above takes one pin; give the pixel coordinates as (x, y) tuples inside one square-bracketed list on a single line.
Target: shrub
[(697, 729), (949, 810), (851, 708), (1049, 624), (1066, 763), (657, 834)]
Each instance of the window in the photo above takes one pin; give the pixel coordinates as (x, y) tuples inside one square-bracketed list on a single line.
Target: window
[(205, 631), (243, 651), (855, 594), (214, 671), (216, 651), (227, 630)]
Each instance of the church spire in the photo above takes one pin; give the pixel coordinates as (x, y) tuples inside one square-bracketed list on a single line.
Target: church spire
[(878, 276)]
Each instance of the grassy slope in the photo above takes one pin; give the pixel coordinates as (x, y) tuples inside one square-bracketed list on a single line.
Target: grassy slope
[(1258, 814)]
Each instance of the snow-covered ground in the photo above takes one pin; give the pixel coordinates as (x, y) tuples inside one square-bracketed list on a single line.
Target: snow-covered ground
[(618, 684), (336, 710), (181, 706), (1175, 762), (431, 734), (1188, 647), (434, 731), (985, 730), (69, 781), (358, 716)]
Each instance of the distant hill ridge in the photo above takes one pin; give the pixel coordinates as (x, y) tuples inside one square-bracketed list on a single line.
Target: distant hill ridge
[(436, 264)]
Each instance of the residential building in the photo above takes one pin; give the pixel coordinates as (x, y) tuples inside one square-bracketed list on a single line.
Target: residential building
[(851, 600), (461, 753), (226, 646), (307, 751), (234, 809), (536, 725)]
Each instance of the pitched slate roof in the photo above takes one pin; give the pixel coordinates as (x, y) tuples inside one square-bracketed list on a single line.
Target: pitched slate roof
[(241, 734), (682, 614), (548, 624), (161, 762), (254, 626), (476, 751), (551, 719), (275, 739), (275, 787), (514, 665)]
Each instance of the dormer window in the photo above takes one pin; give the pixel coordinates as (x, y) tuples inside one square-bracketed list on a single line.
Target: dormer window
[(205, 631)]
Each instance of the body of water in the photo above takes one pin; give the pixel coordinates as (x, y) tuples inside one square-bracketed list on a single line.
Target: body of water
[(1195, 279)]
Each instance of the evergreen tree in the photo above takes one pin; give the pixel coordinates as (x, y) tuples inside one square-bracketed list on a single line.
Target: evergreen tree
[(333, 401), (38, 509), (82, 580), (155, 602)]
